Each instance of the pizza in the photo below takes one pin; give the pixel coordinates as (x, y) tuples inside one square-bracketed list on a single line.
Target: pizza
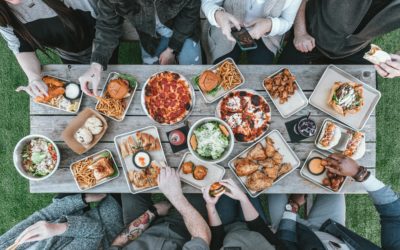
[(247, 113), (168, 97)]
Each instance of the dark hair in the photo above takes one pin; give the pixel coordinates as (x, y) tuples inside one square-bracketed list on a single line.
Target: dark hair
[(68, 17)]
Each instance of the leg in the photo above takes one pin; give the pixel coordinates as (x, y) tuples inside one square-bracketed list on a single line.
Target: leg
[(227, 209), (261, 55), (234, 54), (276, 205), (134, 205), (149, 59), (190, 53), (111, 217), (327, 206)]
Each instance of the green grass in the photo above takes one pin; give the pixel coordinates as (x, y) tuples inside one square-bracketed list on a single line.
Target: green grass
[(17, 203)]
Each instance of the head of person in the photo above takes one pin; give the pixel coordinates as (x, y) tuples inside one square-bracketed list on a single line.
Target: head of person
[(68, 17)]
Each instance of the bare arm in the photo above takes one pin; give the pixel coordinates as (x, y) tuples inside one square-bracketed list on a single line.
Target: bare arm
[(302, 41), (30, 65), (300, 20)]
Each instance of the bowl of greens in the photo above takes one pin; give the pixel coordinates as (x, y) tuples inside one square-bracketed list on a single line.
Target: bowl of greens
[(210, 140), (36, 157)]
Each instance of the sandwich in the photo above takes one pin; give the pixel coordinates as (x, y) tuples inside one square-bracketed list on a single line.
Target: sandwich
[(330, 136), (346, 97), (217, 189), (376, 55), (208, 81), (102, 169), (355, 148)]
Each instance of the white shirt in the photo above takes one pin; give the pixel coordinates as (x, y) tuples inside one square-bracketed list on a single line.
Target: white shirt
[(280, 25)]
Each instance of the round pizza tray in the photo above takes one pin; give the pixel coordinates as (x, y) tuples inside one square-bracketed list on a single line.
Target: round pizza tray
[(218, 111), (142, 99)]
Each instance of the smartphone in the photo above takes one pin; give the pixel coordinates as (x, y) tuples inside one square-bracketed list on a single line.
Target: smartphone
[(243, 38)]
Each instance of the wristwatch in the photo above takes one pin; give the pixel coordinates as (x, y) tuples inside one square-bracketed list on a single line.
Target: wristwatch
[(291, 207), (362, 174), (153, 210)]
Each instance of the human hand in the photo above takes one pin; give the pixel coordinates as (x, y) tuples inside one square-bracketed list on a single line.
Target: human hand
[(299, 199), (94, 197), (41, 230), (304, 42), (162, 207), (259, 27), (35, 88), (226, 21), (234, 190), (342, 165), (169, 184), (389, 69), (91, 76), (208, 198), (167, 57)]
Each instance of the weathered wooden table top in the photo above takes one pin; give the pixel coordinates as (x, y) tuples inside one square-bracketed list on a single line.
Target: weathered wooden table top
[(51, 123)]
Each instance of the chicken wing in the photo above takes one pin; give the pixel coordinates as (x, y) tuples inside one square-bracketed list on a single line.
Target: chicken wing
[(284, 168), (244, 166), (257, 153)]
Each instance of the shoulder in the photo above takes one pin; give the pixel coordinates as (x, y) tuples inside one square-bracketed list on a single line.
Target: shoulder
[(292, 4)]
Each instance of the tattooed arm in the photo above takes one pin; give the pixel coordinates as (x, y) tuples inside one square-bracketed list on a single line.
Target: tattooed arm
[(134, 229)]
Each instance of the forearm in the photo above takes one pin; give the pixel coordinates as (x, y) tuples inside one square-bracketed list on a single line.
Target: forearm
[(134, 229), (209, 7), (30, 64), (213, 216), (195, 224), (300, 25), (283, 23), (249, 212)]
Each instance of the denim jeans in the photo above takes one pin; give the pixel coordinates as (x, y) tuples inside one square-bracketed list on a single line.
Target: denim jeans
[(190, 53), (229, 210)]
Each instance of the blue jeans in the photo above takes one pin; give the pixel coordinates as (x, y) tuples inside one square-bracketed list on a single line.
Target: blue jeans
[(190, 53), (229, 210)]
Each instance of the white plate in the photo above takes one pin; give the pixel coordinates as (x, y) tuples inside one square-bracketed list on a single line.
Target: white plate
[(142, 99), (127, 162), (129, 99), (107, 179), (79, 100), (344, 139), (319, 98), (221, 92), (294, 104), (317, 179), (214, 172), (282, 147)]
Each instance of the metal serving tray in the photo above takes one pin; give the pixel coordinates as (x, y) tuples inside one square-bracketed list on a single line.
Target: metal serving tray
[(127, 163), (295, 103), (283, 148), (319, 98), (130, 98), (215, 172), (317, 179), (108, 179), (221, 92)]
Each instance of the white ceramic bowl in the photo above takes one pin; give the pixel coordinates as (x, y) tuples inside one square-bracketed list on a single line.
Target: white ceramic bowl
[(18, 159), (228, 150)]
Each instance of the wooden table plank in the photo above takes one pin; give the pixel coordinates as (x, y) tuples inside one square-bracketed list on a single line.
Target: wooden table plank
[(51, 122)]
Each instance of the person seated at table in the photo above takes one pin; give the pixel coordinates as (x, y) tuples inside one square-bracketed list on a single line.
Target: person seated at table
[(266, 20), (338, 31), (324, 228), (67, 27), (68, 223), (169, 33), (237, 220), (153, 227)]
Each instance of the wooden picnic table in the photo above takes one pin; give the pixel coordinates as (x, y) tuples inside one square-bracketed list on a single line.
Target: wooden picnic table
[(51, 122)]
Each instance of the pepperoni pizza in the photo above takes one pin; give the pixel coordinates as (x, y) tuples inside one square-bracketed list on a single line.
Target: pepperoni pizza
[(168, 97)]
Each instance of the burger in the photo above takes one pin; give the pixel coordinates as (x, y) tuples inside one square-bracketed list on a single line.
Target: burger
[(208, 81), (346, 97), (216, 189), (376, 55), (118, 88)]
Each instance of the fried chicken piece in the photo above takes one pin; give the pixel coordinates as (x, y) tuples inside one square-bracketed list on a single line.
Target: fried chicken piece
[(284, 168), (277, 157), (258, 181), (245, 167), (269, 147), (187, 167), (272, 172), (200, 172), (268, 163), (51, 93), (326, 182), (52, 82), (257, 153)]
